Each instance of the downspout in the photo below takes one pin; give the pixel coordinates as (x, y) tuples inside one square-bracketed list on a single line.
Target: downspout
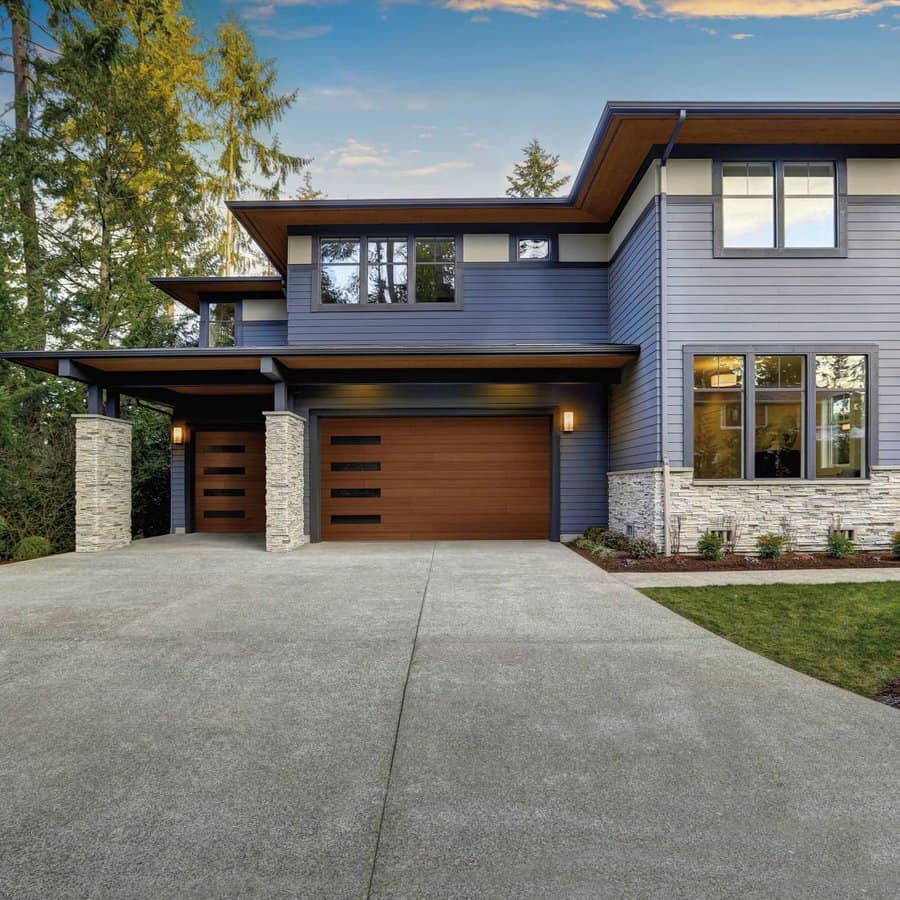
[(663, 263)]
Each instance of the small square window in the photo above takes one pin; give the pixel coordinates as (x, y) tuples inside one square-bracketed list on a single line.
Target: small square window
[(533, 248)]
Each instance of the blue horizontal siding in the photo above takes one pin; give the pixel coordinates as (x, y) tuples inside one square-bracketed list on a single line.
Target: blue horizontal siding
[(501, 303), (634, 290), (264, 334), (786, 300)]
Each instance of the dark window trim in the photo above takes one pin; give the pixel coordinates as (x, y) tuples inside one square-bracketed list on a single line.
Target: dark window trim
[(316, 304), (551, 239), (839, 251), (314, 469), (203, 337), (810, 352)]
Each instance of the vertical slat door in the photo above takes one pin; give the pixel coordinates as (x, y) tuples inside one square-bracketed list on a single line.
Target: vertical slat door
[(229, 481), (430, 478)]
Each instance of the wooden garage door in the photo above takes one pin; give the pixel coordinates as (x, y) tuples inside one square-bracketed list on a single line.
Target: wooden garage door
[(229, 481), (446, 477)]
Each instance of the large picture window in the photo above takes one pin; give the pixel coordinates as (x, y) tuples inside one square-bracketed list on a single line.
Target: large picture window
[(779, 415), (381, 272), (778, 206)]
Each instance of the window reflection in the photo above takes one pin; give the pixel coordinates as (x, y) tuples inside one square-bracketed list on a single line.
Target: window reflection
[(778, 422), (748, 205), (718, 417), (221, 331), (840, 416)]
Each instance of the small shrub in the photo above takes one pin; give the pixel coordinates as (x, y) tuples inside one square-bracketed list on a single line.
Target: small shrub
[(615, 540), (711, 546), (32, 547), (584, 543), (643, 548), (839, 546), (770, 545), (594, 533), (602, 552), (895, 544)]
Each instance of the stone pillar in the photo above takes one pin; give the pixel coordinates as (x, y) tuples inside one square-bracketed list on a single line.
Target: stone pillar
[(284, 480), (102, 483)]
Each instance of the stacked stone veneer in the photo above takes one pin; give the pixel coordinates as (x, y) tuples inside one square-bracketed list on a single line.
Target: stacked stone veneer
[(871, 508), (102, 483), (284, 481)]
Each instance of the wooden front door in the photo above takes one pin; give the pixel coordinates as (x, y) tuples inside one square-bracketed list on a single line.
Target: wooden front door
[(440, 477), (229, 481)]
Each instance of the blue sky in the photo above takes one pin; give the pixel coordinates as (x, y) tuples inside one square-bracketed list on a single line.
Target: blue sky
[(436, 97)]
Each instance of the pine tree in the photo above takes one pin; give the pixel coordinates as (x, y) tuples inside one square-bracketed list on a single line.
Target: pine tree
[(307, 191), (243, 101), (535, 176)]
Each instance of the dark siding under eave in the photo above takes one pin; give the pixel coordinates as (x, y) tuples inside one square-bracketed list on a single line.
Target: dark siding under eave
[(583, 454), (779, 301), (264, 334), (634, 284), (178, 488), (501, 303)]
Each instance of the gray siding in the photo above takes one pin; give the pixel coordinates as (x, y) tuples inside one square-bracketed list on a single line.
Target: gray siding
[(178, 488), (583, 454), (786, 301), (634, 290), (263, 334), (501, 303)]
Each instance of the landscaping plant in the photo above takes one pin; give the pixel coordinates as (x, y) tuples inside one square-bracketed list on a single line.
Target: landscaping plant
[(770, 545), (711, 546), (32, 547), (615, 540), (595, 533), (585, 543), (643, 548), (602, 552), (839, 545), (895, 544)]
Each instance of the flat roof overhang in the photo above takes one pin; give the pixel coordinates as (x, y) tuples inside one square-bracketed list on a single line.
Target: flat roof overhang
[(628, 136), (189, 289), (165, 375)]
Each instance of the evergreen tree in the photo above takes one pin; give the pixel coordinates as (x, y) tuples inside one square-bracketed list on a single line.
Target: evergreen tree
[(307, 191), (535, 176), (243, 103)]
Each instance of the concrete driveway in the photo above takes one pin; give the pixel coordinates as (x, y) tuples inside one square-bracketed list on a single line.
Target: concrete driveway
[(192, 717)]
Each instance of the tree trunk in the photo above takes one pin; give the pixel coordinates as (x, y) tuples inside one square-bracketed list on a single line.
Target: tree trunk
[(17, 11)]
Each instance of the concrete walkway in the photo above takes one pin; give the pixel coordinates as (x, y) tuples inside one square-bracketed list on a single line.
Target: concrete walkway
[(192, 717), (786, 576)]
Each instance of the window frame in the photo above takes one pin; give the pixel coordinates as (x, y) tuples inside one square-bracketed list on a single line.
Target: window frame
[(208, 300), (552, 256), (779, 250), (809, 352), (382, 234)]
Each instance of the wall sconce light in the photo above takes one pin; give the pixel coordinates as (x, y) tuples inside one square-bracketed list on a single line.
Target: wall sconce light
[(568, 421), (178, 434)]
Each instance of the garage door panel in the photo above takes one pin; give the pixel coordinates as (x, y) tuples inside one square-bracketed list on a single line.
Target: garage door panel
[(453, 477), (229, 481)]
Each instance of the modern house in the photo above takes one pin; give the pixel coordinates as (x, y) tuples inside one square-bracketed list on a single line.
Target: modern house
[(705, 333)]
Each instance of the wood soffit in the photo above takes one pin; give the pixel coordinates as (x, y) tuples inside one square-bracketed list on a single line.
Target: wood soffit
[(627, 141)]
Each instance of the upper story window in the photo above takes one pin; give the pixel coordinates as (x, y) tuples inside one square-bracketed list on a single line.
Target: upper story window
[(533, 248), (381, 271), (757, 426), (220, 328), (779, 206)]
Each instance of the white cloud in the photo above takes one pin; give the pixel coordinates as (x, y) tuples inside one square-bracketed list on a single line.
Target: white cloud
[(292, 34), (355, 154), (706, 9), (434, 169), (741, 36)]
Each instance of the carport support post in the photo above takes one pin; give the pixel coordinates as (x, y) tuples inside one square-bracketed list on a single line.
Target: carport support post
[(284, 480), (102, 483)]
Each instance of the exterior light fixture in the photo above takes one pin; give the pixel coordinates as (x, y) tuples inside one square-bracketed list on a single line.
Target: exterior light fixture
[(568, 421), (723, 380), (178, 434)]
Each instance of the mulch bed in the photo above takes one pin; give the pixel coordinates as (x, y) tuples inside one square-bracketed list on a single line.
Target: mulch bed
[(890, 693), (739, 562)]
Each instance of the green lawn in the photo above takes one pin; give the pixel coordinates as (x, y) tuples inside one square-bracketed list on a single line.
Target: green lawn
[(847, 634)]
